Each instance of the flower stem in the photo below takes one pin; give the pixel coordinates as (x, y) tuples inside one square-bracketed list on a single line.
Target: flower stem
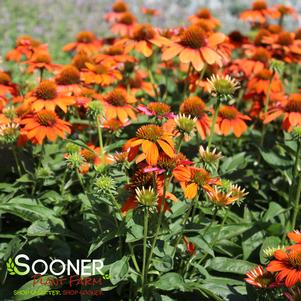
[(297, 203), (17, 161), (184, 221), (100, 139), (146, 217), (186, 87), (216, 108), (161, 214), (266, 106)]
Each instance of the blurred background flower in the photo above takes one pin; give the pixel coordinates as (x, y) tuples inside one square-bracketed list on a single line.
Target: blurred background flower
[(57, 22)]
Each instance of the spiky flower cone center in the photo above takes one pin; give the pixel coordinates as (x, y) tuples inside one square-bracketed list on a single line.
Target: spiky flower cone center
[(80, 60), (119, 7), (294, 103), (149, 132), (203, 13), (259, 5), (200, 177), (141, 179), (46, 90), (193, 106), (228, 112), (294, 258), (143, 32), (4, 78), (115, 50), (285, 39), (159, 108), (236, 36), (46, 118), (261, 55), (283, 10), (264, 74), (117, 97), (85, 37), (274, 28), (68, 76), (88, 155), (298, 35), (42, 58), (264, 280), (193, 37), (127, 19)]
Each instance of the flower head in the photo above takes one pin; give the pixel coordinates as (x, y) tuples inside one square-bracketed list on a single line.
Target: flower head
[(146, 197), (260, 278), (223, 87)]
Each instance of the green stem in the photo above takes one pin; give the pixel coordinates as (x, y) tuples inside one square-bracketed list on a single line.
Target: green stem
[(186, 87), (294, 174), (214, 241), (17, 161), (216, 108), (101, 152), (146, 217), (212, 220), (157, 231), (184, 221), (295, 79), (41, 74), (297, 203), (151, 77)]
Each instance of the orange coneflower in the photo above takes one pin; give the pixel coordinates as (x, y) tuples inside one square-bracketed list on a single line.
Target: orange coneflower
[(118, 8), (295, 236), (85, 41), (195, 107), (91, 155), (195, 47), (150, 11), (100, 74), (157, 109), (261, 81), (204, 14), (40, 60), (124, 25), (118, 104), (44, 124), (80, 59), (229, 118), (260, 278), (192, 179), (287, 264), (151, 138), (68, 80), (259, 13), (47, 96), (290, 109), (6, 85), (258, 60), (25, 45), (142, 39), (284, 46), (237, 39), (114, 54), (286, 10), (137, 83)]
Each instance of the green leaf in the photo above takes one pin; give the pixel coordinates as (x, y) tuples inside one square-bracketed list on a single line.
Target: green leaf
[(233, 163), (163, 264), (274, 160), (119, 269), (169, 282), (34, 290), (229, 265), (273, 211), (269, 242)]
